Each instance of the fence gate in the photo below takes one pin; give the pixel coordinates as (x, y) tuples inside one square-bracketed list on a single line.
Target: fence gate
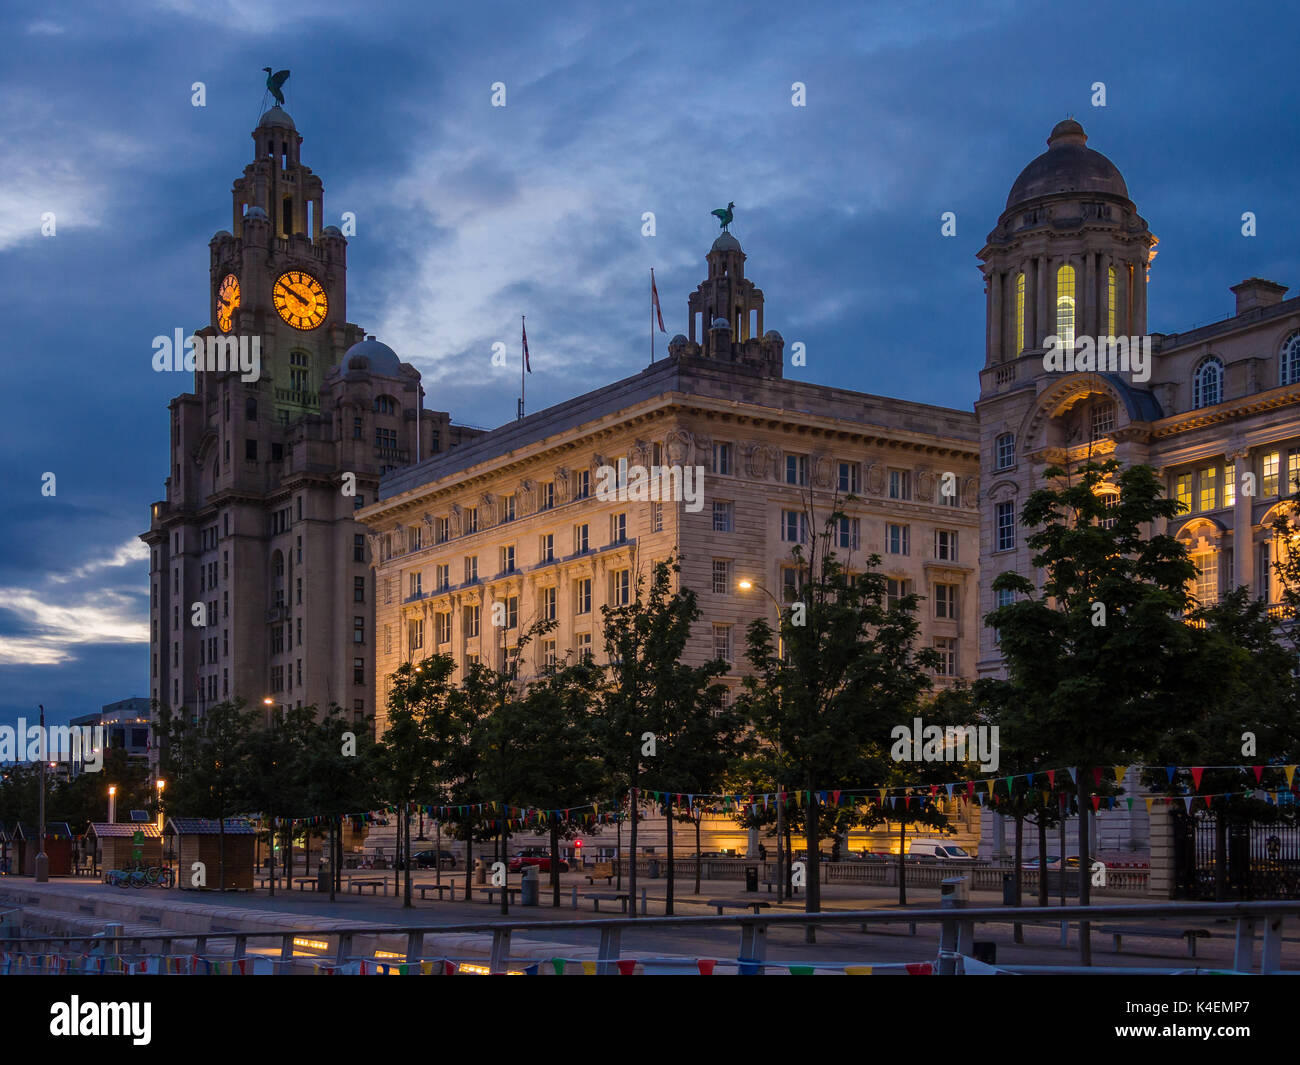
[(1259, 860)]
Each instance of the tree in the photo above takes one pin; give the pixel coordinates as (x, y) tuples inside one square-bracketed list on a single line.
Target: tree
[(846, 672), (1101, 659)]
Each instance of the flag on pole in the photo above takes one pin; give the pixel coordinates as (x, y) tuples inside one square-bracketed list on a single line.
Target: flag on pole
[(654, 295), (527, 365)]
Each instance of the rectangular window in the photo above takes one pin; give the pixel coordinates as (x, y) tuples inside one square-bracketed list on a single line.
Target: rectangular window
[(442, 576), (796, 469), (793, 527), (722, 516), (945, 601), (470, 520), (472, 614), (416, 584), (441, 530), (386, 439), (415, 634), (581, 539), (1103, 418), (1270, 471), (1183, 489), (358, 671), (1230, 485), (508, 558), (722, 459), (1006, 451), (358, 589), (898, 539), (442, 628), (507, 508), (549, 603), (358, 630), (582, 596), (900, 484), (550, 659), (277, 639), (618, 528), (546, 548), (1207, 577), (656, 517), (358, 549), (546, 495), (388, 639), (471, 569), (356, 429), (512, 612), (848, 477), (621, 587), (582, 484), (945, 545), (721, 576), (584, 644), (722, 643), (1293, 473), (1209, 481), (849, 533), (250, 450), (1006, 526), (947, 648), (388, 589), (791, 583)]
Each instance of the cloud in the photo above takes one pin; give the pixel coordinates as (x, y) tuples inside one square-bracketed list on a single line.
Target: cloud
[(133, 550)]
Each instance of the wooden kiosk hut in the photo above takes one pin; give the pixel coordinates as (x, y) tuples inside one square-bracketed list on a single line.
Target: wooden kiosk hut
[(114, 844), (58, 847), (197, 839)]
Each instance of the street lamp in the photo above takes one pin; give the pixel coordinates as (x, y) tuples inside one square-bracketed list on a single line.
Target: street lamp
[(112, 804), (160, 784), (42, 866)]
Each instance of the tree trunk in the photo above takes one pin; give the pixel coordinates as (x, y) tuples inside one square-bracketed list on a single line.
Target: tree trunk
[(1042, 856), (1085, 876), (270, 836), (668, 829), (631, 869), (469, 862), (812, 882), (331, 866), (555, 863), (504, 833), (902, 863), (406, 836), (699, 862), (1018, 933)]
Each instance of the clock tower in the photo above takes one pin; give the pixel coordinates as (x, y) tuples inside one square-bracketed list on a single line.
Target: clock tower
[(260, 579)]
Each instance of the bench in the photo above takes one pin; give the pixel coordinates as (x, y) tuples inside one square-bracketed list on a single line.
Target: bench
[(601, 871), (304, 881), (1118, 932), (738, 904), (373, 885), (770, 884), (597, 897), (424, 889), (492, 891)]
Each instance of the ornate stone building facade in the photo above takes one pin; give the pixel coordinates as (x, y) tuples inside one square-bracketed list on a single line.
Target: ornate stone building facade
[(513, 520), (1216, 410), (260, 583)]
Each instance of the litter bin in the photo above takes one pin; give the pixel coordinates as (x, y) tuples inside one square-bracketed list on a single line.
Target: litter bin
[(323, 879), (528, 885), (480, 871), (1008, 889), (654, 868), (751, 878), (954, 893)]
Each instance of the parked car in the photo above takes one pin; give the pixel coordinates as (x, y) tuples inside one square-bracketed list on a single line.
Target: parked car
[(1072, 862), (937, 848), (427, 859), (1053, 861), (535, 856)]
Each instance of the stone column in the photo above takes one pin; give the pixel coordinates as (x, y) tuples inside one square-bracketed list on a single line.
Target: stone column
[(990, 356), (996, 314), (1031, 305), (1085, 308), (1140, 298), (1044, 323), (1243, 540)]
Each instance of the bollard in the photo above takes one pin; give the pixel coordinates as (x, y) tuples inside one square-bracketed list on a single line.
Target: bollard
[(643, 905)]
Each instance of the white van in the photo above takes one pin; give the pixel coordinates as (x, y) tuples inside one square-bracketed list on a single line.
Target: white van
[(937, 848)]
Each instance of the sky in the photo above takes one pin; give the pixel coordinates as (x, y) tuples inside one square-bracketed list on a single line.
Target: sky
[(469, 215)]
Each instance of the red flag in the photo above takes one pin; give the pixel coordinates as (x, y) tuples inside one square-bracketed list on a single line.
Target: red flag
[(654, 295), (527, 365)]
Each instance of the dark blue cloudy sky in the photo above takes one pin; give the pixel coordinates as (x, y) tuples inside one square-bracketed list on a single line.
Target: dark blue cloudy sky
[(469, 216)]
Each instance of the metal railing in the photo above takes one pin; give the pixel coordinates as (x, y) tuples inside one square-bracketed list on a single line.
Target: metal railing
[(1263, 920)]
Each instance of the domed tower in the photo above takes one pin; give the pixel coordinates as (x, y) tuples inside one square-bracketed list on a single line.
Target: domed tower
[(1069, 254), (726, 315), (1067, 259)]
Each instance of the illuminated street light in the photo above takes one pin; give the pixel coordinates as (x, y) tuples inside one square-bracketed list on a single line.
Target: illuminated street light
[(112, 804)]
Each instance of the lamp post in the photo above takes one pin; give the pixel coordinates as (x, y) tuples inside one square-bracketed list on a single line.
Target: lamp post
[(159, 785), (746, 585), (42, 868), (112, 804)]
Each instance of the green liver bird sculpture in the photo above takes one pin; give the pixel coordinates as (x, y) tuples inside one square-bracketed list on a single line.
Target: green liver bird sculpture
[(273, 83), (724, 214)]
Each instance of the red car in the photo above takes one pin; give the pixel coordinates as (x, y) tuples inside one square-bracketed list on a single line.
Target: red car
[(535, 856)]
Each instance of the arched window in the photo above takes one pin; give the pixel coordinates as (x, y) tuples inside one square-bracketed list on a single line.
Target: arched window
[(1290, 361), (1103, 417), (1020, 313), (385, 405), (1065, 306), (298, 370), (1207, 383), (1110, 301)]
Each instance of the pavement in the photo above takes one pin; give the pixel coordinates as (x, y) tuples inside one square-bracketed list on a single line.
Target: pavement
[(842, 945)]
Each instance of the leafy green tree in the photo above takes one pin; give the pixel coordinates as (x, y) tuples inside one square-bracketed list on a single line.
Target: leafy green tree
[(847, 671)]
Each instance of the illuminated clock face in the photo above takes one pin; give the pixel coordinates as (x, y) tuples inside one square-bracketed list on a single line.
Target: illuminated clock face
[(300, 299), (227, 302)]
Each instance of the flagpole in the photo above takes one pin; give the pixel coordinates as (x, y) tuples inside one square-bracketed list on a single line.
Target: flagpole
[(652, 314), (522, 390)]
